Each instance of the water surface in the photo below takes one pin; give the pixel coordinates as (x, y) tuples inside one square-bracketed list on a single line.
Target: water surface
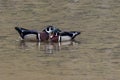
[(94, 55)]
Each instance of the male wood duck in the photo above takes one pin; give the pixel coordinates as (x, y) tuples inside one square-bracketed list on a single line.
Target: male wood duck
[(57, 35), (32, 35), (63, 36)]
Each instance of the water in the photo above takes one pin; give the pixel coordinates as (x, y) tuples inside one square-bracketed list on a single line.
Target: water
[(93, 56)]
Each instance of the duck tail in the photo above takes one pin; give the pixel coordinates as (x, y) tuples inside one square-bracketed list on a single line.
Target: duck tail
[(20, 30), (75, 33)]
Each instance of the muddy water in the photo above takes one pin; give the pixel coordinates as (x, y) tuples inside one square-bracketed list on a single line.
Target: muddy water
[(95, 55)]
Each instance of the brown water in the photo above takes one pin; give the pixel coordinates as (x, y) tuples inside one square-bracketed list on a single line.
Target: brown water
[(95, 55)]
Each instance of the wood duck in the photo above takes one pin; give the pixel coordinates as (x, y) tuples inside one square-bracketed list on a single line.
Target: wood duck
[(63, 36), (32, 35)]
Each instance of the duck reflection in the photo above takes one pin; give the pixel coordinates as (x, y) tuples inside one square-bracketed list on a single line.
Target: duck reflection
[(47, 47)]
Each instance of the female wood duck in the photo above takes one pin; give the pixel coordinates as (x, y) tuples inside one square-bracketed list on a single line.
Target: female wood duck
[(63, 36), (32, 35)]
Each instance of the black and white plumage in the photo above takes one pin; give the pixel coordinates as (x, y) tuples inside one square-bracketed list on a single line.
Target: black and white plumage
[(24, 33), (32, 35), (64, 36), (71, 34)]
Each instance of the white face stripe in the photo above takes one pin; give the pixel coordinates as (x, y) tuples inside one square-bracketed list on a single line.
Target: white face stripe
[(48, 31), (39, 37), (59, 38)]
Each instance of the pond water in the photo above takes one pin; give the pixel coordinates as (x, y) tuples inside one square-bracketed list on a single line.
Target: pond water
[(95, 55)]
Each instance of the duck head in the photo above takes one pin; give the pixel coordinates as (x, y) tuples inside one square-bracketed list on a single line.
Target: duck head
[(49, 29)]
